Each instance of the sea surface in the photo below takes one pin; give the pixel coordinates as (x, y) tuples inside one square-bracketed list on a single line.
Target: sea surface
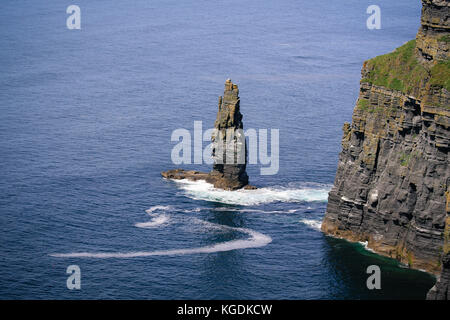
[(86, 123)]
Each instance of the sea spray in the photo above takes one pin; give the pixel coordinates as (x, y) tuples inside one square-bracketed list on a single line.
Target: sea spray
[(158, 208), (156, 221), (201, 190), (314, 224)]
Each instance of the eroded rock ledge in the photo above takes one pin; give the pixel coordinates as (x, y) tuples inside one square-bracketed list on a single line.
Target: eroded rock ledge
[(226, 174), (216, 179)]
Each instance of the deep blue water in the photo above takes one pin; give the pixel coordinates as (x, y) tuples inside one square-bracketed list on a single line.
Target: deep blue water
[(86, 119)]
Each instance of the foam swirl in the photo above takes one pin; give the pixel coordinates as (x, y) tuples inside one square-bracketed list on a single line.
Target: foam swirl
[(256, 239)]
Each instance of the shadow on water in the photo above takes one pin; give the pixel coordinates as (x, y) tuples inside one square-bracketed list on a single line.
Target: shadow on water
[(347, 263)]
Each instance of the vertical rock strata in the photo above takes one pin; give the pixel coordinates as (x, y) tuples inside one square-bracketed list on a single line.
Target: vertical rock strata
[(229, 142), (228, 147), (392, 186)]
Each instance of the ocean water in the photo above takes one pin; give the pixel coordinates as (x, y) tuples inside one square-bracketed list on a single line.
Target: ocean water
[(86, 120)]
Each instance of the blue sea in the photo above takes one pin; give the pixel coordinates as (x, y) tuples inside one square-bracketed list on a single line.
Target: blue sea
[(86, 123)]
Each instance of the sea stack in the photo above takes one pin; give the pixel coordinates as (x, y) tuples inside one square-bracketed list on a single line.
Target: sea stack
[(392, 185), (228, 147)]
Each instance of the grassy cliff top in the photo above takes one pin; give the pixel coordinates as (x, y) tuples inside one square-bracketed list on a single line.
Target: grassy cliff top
[(400, 70)]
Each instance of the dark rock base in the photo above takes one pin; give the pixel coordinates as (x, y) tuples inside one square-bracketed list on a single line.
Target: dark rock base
[(215, 178)]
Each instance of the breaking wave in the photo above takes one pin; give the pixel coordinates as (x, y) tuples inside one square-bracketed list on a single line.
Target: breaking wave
[(201, 190), (257, 210), (314, 224), (158, 208), (365, 244), (158, 220)]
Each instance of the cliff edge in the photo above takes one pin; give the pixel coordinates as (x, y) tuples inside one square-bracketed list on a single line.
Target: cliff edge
[(392, 186)]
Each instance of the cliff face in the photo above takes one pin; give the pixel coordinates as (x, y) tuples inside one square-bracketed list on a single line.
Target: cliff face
[(229, 147), (392, 186), (433, 38)]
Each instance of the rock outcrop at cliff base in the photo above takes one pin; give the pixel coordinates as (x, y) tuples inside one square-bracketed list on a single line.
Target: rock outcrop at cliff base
[(392, 186), (228, 147)]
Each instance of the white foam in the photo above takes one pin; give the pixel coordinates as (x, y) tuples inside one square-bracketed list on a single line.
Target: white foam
[(158, 220), (365, 244), (255, 210), (194, 210), (201, 190), (255, 240), (158, 208), (263, 211), (315, 224)]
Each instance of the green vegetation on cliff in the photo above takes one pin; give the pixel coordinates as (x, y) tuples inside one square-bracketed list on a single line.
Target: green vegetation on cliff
[(404, 159), (444, 38), (440, 74), (363, 105), (398, 70)]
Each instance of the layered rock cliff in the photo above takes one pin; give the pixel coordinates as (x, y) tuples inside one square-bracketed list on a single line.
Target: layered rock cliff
[(228, 147), (392, 186)]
